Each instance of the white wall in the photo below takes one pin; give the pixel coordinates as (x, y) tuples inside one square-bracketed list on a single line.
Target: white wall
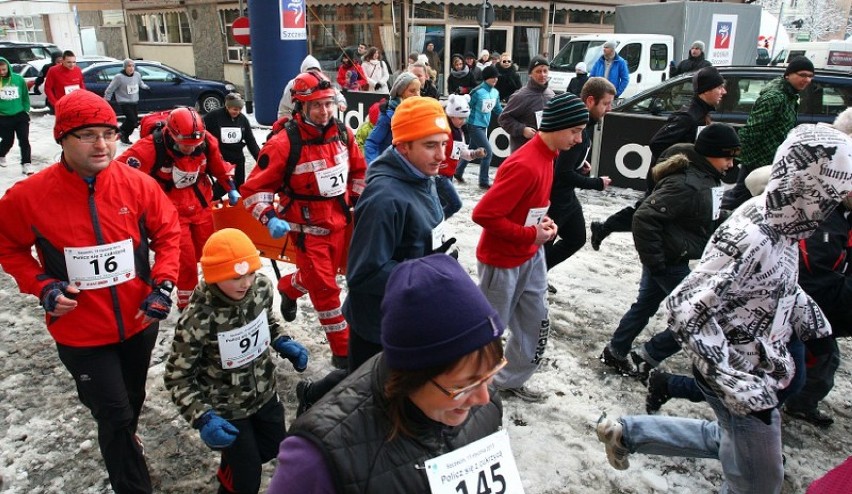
[(177, 56), (64, 33)]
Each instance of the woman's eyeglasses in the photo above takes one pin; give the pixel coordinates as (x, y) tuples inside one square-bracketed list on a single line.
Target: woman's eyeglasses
[(459, 393)]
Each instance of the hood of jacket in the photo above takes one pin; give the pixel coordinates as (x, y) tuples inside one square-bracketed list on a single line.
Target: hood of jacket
[(389, 165), (310, 62), (683, 156), (812, 173)]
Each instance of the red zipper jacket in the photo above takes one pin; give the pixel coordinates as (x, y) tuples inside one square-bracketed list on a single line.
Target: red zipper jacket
[(55, 209), (60, 81)]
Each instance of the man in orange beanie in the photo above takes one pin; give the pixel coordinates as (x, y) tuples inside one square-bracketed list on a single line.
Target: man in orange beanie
[(220, 371), (93, 221)]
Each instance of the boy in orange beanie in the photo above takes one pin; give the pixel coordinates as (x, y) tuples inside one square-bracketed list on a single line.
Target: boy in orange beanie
[(220, 372)]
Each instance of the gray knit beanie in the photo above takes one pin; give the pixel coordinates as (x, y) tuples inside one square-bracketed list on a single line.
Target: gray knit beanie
[(402, 81)]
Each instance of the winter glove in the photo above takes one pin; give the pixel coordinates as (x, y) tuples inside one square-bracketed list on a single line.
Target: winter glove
[(233, 197), (216, 432), (292, 351), (277, 227), (159, 302), (765, 416), (445, 248), (51, 292)]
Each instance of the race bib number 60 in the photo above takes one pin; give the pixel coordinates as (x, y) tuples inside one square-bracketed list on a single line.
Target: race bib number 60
[(484, 466)]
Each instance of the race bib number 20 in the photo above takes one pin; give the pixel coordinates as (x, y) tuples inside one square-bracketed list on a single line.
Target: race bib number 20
[(484, 466)]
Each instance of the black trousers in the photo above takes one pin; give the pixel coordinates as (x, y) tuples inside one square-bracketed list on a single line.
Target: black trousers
[(16, 125), (257, 443), (571, 234), (131, 118), (111, 383)]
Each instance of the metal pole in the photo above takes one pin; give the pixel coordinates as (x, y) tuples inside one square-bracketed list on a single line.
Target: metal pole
[(777, 27), (246, 75), (481, 32)]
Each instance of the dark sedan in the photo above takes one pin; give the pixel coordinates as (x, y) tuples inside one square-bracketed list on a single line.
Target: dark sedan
[(621, 144), (170, 87)]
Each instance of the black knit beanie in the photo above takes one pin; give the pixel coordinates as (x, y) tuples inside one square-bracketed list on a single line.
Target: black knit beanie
[(799, 63), (706, 79), (718, 140)]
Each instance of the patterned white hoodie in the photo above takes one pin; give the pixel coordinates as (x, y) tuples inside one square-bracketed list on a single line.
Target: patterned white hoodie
[(736, 312)]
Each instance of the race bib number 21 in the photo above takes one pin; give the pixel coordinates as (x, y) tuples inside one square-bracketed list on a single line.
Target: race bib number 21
[(484, 466)]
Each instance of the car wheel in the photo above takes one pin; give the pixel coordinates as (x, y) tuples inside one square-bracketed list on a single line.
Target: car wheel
[(209, 102)]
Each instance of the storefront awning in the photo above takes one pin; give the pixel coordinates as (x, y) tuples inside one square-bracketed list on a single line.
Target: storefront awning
[(592, 7), (527, 4)]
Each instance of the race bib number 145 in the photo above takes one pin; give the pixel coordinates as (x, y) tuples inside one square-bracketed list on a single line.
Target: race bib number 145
[(484, 466)]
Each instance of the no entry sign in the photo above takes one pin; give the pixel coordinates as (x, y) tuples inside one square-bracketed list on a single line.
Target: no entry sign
[(240, 29)]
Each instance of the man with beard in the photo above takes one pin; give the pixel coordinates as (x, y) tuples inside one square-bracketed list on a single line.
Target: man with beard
[(522, 115)]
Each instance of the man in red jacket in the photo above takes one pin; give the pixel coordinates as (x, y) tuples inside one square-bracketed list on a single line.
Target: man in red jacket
[(63, 79), (515, 227), (92, 221), (180, 157), (315, 192)]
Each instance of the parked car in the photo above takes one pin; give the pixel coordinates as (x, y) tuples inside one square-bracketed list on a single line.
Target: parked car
[(28, 72), (88, 60), (621, 142), (36, 54), (170, 87)]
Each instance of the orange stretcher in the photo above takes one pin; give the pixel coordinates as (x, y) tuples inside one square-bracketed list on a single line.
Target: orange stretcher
[(281, 249)]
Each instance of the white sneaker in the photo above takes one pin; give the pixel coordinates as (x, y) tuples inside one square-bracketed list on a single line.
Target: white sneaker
[(28, 169), (3, 161), (610, 433)]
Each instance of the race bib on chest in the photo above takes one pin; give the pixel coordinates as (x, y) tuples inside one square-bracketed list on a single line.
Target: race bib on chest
[(241, 346), (458, 147), (534, 216), (487, 105), (487, 465), (132, 88), (183, 179), (9, 93), (332, 181), (231, 135), (70, 89), (100, 266), (716, 193)]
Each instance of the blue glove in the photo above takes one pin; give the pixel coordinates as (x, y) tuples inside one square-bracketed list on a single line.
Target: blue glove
[(216, 432), (233, 197), (292, 351), (159, 302), (51, 292), (277, 227)]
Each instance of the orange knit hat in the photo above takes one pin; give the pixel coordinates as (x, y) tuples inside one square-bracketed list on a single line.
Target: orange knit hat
[(418, 117), (228, 254)]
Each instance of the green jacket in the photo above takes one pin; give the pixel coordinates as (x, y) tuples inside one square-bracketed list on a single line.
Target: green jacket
[(14, 97), (194, 373), (771, 118)]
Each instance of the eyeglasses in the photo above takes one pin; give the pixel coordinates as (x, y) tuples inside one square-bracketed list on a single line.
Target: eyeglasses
[(459, 393), (805, 75), (92, 137)]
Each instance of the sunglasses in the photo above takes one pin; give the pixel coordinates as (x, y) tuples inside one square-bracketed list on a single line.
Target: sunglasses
[(459, 393), (505, 61)]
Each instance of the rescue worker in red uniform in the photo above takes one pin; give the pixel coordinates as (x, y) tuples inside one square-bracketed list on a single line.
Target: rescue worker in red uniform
[(315, 192), (92, 221), (187, 154)]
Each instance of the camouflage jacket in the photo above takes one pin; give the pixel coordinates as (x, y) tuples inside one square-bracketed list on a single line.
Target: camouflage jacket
[(194, 374)]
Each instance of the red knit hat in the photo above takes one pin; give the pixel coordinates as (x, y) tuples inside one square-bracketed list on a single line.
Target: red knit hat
[(82, 109)]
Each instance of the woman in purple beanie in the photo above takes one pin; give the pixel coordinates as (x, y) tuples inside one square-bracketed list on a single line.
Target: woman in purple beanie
[(427, 394)]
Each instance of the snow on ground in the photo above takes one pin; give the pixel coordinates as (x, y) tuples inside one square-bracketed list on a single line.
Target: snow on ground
[(48, 441)]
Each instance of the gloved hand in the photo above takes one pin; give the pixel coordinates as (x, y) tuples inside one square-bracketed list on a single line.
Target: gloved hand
[(51, 292), (216, 432), (233, 197), (277, 227), (292, 351), (447, 248), (159, 302)]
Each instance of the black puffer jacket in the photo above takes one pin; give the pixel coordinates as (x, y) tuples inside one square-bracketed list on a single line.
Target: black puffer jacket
[(674, 223), (691, 64), (680, 127)]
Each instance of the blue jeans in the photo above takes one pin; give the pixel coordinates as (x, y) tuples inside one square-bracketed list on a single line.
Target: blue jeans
[(450, 200), (652, 291), (749, 450), (478, 139)]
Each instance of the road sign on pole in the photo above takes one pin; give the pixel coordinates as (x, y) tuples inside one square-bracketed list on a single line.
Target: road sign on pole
[(240, 30)]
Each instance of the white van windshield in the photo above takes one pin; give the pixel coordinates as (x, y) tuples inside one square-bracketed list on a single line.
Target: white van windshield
[(587, 51)]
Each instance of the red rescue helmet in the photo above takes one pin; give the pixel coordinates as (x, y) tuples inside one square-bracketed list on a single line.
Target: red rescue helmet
[(185, 126), (311, 86)]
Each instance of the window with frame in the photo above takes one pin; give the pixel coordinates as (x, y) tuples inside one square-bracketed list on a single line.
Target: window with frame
[(234, 49), (23, 28), (163, 27), (632, 54), (659, 56)]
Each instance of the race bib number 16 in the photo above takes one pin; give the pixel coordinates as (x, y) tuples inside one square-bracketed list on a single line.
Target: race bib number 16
[(484, 466)]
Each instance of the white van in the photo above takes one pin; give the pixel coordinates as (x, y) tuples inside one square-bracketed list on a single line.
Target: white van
[(647, 57), (824, 54)]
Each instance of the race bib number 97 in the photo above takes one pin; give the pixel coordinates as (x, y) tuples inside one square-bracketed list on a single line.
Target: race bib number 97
[(240, 346), (484, 466)]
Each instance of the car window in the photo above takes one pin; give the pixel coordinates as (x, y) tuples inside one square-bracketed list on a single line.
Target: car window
[(825, 98), (666, 99), (742, 93), (18, 54), (632, 54), (105, 74), (151, 73), (659, 56)]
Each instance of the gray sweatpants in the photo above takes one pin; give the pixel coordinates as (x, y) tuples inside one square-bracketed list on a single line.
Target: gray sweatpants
[(518, 294)]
